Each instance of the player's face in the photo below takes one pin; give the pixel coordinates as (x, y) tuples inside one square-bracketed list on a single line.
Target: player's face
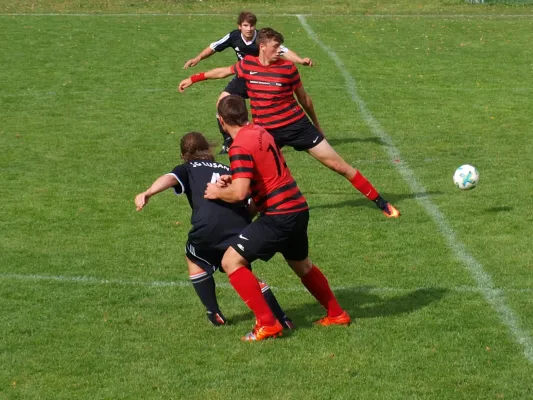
[(247, 30), (271, 50)]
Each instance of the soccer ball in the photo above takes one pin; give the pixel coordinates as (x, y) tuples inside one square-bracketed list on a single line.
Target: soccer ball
[(466, 177)]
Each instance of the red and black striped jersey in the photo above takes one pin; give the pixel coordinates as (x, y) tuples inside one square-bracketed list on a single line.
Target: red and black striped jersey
[(271, 91), (254, 155)]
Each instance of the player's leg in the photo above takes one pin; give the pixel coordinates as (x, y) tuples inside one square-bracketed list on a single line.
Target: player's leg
[(317, 284), (327, 155), (259, 240), (296, 254), (226, 138), (303, 135), (247, 286), (236, 86), (204, 285), (275, 306)]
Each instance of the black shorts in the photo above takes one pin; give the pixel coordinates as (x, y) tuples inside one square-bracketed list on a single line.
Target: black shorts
[(237, 86), (210, 260), (271, 234), (300, 135)]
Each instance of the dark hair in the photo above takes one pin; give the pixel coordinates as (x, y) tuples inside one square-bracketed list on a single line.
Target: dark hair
[(194, 146), (233, 110), (267, 34), (247, 16)]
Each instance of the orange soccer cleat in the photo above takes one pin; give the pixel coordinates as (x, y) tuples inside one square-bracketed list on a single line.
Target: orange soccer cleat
[(390, 211), (262, 332), (343, 319)]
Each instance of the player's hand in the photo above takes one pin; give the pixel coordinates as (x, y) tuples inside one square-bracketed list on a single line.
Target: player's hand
[(191, 63), (224, 180), (211, 191), (307, 62), (141, 200), (184, 84)]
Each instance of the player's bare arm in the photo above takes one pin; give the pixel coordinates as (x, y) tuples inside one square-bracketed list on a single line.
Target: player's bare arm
[(206, 53), (238, 190), (161, 184), (307, 104), (295, 58), (217, 73)]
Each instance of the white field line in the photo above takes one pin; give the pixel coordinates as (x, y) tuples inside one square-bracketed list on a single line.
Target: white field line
[(362, 16), (483, 280), (88, 280)]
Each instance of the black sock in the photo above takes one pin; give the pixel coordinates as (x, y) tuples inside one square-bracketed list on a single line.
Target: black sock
[(204, 285), (273, 303), (380, 202)]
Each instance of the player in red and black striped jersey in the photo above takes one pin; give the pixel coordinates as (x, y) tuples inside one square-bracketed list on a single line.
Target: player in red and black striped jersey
[(259, 168), (243, 41), (272, 84), (214, 223)]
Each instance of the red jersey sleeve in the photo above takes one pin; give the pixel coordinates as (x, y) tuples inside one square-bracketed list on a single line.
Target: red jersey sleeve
[(241, 163)]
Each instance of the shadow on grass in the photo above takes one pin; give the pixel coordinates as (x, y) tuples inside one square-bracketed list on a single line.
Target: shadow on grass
[(365, 304), (363, 202), (360, 303), (345, 140)]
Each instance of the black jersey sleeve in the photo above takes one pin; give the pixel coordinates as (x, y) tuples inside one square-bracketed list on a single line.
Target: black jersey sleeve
[(221, 44), (181, 174), (224, 42)]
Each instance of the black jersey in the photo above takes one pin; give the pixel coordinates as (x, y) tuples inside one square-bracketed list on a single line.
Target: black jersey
[(242, 48), (213, 222)]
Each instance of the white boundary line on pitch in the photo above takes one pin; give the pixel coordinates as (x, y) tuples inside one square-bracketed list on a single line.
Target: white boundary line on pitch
[(483, 280), (88, 280), (364, 16)]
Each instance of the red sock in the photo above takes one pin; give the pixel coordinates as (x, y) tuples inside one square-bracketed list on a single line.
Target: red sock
[(318, 285), (246, 285), (364, 186)]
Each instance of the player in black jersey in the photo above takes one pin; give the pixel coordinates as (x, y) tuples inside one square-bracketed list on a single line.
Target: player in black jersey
[(243, 41), (214, 223)]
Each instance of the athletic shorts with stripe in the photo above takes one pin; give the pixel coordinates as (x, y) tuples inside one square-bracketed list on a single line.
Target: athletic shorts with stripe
[(209, 259), (237, 86), (271, 234), (300, 135)]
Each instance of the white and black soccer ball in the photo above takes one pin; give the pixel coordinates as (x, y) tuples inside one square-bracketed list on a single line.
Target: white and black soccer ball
[(466, 177)]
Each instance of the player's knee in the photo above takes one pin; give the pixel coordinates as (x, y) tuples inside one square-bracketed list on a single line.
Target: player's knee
[(300, 268), (231, 261)]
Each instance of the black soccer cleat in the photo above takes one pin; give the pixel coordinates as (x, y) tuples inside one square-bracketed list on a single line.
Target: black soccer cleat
[(224, 150), (387, 208), (217, 319), (287, 323)]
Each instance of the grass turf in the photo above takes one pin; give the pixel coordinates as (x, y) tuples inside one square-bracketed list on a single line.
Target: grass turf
[(94, 297)]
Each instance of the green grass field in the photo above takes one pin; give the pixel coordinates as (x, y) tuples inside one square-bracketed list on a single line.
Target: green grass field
[(94, 298)]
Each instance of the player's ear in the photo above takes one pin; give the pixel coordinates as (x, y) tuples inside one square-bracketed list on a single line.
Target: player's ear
[(222, 122)]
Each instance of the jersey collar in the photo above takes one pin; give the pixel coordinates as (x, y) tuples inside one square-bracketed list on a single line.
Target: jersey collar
[(248, 43)]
